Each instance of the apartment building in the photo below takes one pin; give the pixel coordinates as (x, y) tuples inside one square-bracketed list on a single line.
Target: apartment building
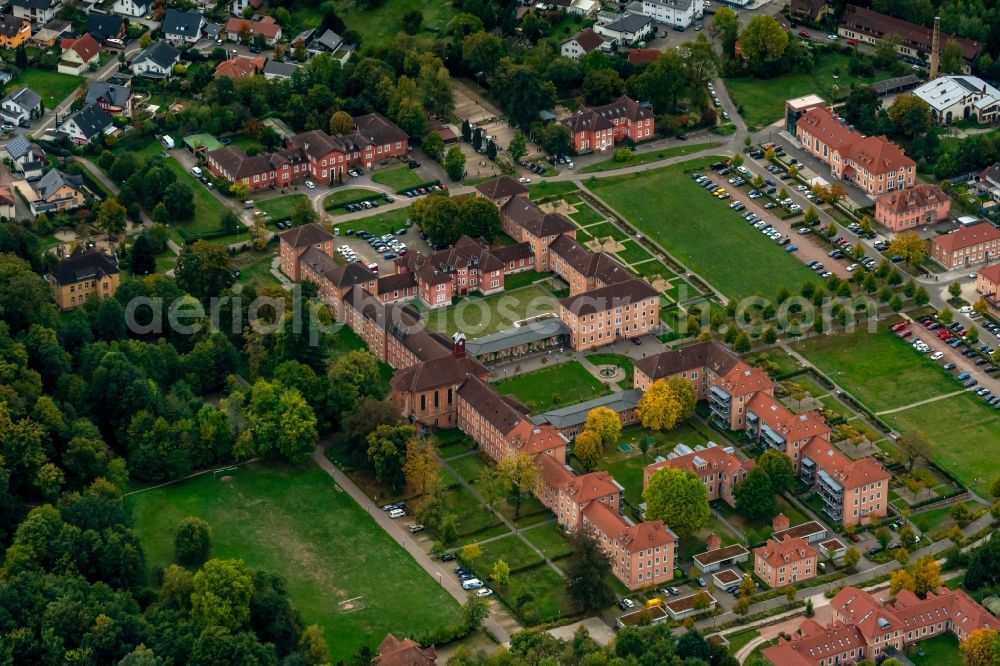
[(642, 555), (873, 163), (597, 129), (719, 469), (523, 221), (853, 491), (913, 207), (82, 275), (862, 628), (729, 397), (582, 269), (569, 495), (786, 562), (774, 427), (608, 314), (974, 244), (703, 364), (468, 265)]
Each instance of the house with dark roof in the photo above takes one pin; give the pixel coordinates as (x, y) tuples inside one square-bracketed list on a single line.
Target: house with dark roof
[(275, 69), (182, 27), (21, 107), (87, 124), (83, 275), (157, 61), (326, 42), (294, 242), (467, 266), (79, 54), (14, 31), (500, 190), (103, 27), (597, 129), (28, 158), (57, 191), (113, 98), (627, 28), (36, 11), (812, 11), (583, 43)]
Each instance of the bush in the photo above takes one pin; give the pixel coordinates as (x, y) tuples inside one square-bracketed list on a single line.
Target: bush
[(192, 541), (623, 155)]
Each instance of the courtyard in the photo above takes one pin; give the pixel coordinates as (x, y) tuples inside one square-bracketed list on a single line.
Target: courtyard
[(559, 385), (478, 316)]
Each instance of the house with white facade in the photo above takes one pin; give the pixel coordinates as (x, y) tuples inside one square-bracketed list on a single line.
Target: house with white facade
[(132, 7), (675, 13), (156, 62), (627, 28), (954, 98)]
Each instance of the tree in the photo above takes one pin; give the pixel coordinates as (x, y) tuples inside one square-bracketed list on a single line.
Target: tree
[(946, 316), (763, 42), (491, 150), (678, 498), (600, 86), (112, 217), (979, 648), (412, 21), (955, 289), (926, 575), (192, 541), (863, 109), (588, 449), (519, 472), (587, 572), (387, 447), (179, 200), (353, 377), (742, 606), (421, 462), (143, 259), (952, 60), (885, 51), (666, 403), (437, 218), (500, 573), (304, 213), (482, 52), (474, 611), (239, 190), (910, 115), (341, 123), (913, 446), (221, 595), (478, 218), (604, 422), (883, 536), (454, 163), (279, 423), (778, 468), (726, 26), (312, 644), (755, 497), (851, 557), (433, 145), (692, 645), (900, 580), (466, 131), (522, 92), (518, 147), (910, 246), (470, 553), (203, 269), (811, 216), (25, 298)]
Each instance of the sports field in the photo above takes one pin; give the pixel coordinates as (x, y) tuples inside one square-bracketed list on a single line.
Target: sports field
[(701, 231), (342, 570)]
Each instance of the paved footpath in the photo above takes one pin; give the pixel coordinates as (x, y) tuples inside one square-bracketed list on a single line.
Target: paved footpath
[(435, 569)]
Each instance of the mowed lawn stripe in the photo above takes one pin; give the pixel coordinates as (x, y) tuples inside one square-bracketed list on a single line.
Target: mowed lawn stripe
[(702, 231), (292, 521)]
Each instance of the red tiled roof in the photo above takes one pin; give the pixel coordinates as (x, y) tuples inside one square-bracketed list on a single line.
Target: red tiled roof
[(265, 27), (991, 273), (849, 473), (875, 24), (789, 549), (714, 458), (878, 155), (911, 198), (238, 68), (395, 652), (822, 124), (743, 379), (643, 56), (967, 237), (589, 40), (86, 47), (712, 355)]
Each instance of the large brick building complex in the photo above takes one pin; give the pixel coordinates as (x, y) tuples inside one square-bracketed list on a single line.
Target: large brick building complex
[(975, 244), (719, 469), (595, 129)]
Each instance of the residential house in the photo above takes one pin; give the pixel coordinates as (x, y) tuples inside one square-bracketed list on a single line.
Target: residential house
[(718, 468), (275, 69), (21, 107), (913, 207), (50, 32), (157, 61), (785, 562), (87, 124), (642, 555), (987, 284), (627, 28), (14, 31), (865, 629), (36, 11), (774, 427), (988, 181), (327, 42), (264, 28), (737, 398), (954, 98), (597, 129), (82, 275), (602, 316), (583, 43), (79, 54), (7, 203), (406, 652), (28, 158), (811, 11), (679, 14), (182, 27), (873, 163), (57, 191), (134, 8), (239, 67), (965, 246), (853, 492), (237, 7), (113, 98), (915, 41), (103, 27)]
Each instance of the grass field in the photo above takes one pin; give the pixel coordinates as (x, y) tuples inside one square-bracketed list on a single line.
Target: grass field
[(605, 229), (246, 143), (740, 638), (379, 25), (400, 178), (293, 521), (547, 189), (633, 252), (469, 467), (52, 87), (585, 215), (653, 202), (937, 651), (651, 156), (379, 223), (563, 384), (542, 593), (763, 100), (523, 279), (550, 540), (511, 550), (936, 522), (281, 208), (477, 316), (208, 210)]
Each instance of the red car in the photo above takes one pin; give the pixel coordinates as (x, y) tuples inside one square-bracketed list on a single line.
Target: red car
[(443, 186), (803, 33), (944, 336), (905, 333), (898, 327), (852, 42)]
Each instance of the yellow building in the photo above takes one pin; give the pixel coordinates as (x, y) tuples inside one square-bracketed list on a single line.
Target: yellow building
[(14, 31), (83, 274)]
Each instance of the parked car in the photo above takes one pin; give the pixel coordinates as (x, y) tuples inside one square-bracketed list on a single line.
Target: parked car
[(626, 604), (416, 527)]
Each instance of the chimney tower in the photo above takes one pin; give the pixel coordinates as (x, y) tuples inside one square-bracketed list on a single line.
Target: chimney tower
[(458, 345), (935, 47)]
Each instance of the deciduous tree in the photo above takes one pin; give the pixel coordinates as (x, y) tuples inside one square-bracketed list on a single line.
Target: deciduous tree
[(588, 449), (203, 269), (913, 446), (454, 163), (666, 403), (421, 462), (519, 472), (778, 468), (926, 575), (979, 648), (678, 498), (586, 573), (910, 246), (605, 423), (387, 447), (763, 42), (755, 496), (192, 541), (221, 595)]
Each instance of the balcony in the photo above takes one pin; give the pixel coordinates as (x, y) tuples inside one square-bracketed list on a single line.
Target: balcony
[(807, 472), (832, 495), (770, 439), (753, 425)]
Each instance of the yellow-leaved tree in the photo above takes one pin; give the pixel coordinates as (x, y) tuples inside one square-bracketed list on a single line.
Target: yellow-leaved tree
[(666, 403)]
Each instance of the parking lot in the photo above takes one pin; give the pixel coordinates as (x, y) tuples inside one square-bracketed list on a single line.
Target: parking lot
[(366, 254)]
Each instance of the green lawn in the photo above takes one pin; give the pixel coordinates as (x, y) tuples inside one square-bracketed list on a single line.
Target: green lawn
[(208, 210), (550, 540), (546, 189), (647, 157), (560, 385), (763, 100), (626, 363), (469, 467), (716, 243), (295, 522), (386, 222), (52, 87), (633, 252), (255, 266), (245, 143), (398, 179), (380, 24), (936, 522), (937, 651), (477, 316), (511, 550), (538, 594), (741, 638), (281, 208), (585, 215), (523, 279), (880, 369), (604, 229)]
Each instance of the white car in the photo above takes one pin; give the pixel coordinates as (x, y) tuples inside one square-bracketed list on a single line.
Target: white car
[(937, 356), (524, 180), (965, 309), (484, 592), (311, 185), (852, 268)]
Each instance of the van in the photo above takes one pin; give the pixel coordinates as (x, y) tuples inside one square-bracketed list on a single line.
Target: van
[(248, 203), (373, 267), (472, 584), (168, 142), (196, 172), (396, 513), (962, 377)]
